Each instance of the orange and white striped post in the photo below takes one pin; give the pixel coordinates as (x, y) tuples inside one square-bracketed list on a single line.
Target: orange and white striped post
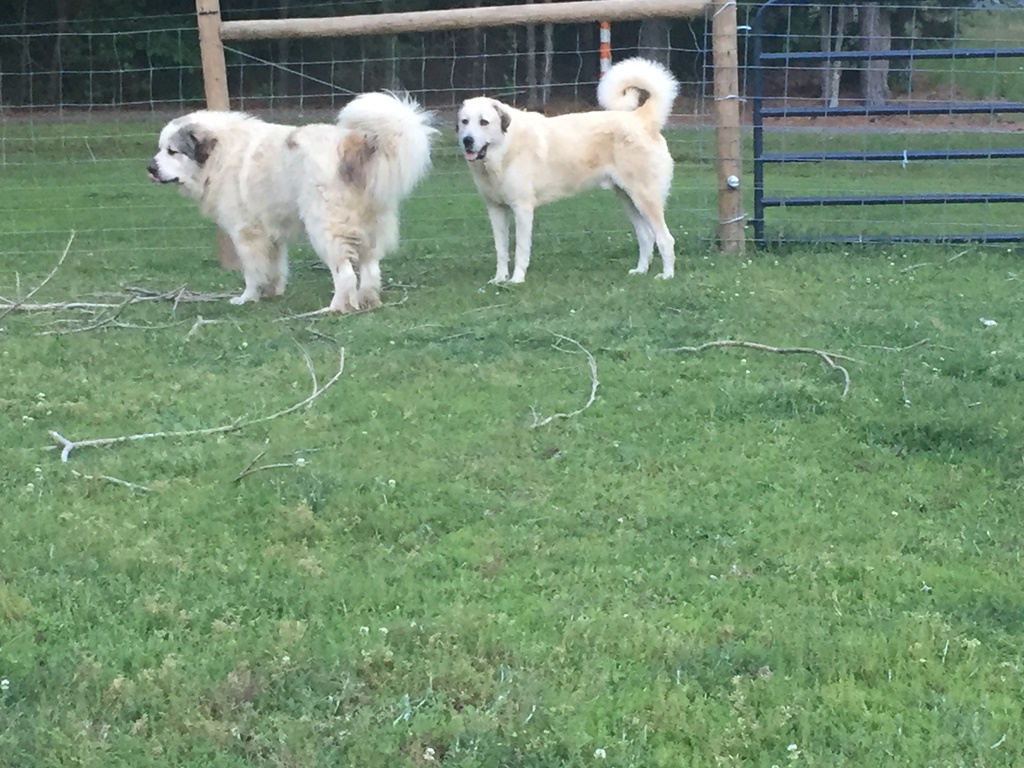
[(604, 48)]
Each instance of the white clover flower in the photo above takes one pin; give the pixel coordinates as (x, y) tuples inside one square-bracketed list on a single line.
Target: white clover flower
[(364, 630), (600, 754), (5, 684)]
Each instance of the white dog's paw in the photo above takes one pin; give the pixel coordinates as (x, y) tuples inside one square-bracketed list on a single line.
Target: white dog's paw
[(343, 305), (664, 276), (243, 299), (638, 271), (498, 280), (369, 299), (518, 277)]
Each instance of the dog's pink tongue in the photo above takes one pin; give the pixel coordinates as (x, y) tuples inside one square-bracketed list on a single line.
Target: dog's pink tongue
[(470, 155)]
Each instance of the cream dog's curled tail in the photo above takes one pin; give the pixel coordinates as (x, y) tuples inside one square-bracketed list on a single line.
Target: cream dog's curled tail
[(639, 85)]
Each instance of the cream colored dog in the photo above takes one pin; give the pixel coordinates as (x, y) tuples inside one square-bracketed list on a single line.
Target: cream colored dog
[(521, 160), (264, 183)]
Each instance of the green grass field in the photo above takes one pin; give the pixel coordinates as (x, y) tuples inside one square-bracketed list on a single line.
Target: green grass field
[(720, 561), (985, 78)]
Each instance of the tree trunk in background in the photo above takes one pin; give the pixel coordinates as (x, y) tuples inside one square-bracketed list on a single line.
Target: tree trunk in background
[(549, 63), (475, 51), (532, 96), (284, 76), (590, 61), (876, 35), (25, 59), (833, 21), (654, 40), (57, 63)]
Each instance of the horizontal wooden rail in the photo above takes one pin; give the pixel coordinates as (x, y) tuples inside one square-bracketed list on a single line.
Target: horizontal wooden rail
[(461, 18)]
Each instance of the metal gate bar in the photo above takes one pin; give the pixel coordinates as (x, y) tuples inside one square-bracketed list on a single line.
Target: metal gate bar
[(761, 158)]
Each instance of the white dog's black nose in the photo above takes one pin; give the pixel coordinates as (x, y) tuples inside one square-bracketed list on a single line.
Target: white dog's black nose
[(152, 170), (467, 142)]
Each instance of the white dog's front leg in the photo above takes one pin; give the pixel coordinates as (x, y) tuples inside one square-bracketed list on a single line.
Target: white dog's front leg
[(524, 240), (499, 226)]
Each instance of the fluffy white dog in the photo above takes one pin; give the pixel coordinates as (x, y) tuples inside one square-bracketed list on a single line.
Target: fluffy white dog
[(520, 160), (264, 183)]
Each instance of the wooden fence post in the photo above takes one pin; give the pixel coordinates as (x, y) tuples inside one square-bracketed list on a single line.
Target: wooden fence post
[(731, 238), (215, 83)]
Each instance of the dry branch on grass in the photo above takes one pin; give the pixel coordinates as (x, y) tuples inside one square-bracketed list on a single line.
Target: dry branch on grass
[(66, 445), (539, 422), (830, 358), (113, 480), (17, 304), (103, 312), (251, 468)]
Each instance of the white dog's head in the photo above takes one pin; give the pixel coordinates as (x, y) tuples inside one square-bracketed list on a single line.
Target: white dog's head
[(482, 124), (182, 150)]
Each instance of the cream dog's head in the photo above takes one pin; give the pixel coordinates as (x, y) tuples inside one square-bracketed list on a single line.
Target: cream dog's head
[(184, 147), (482, 124)]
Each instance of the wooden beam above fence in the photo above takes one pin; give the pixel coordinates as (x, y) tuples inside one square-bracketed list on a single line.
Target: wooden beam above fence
[(461, 18)]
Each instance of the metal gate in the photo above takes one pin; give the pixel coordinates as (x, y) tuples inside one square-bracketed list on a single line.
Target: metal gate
[(764, 61)]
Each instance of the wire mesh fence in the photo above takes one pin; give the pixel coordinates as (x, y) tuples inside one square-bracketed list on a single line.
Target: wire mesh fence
[(82, 102)]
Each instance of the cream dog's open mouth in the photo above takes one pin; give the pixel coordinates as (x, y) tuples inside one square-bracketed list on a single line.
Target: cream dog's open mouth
[(473, 155)]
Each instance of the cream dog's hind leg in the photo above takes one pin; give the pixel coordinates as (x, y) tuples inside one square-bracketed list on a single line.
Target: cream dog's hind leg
[(524, 241)]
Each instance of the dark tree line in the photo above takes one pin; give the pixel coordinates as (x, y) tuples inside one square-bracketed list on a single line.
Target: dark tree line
[(139, 52), (143, 52)]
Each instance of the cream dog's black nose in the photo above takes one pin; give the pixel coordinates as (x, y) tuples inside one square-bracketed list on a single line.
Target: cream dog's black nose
[(467, 142)]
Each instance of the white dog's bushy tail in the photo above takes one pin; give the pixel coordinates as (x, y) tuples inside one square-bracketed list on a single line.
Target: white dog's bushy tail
[(400, 131), (623, 87)]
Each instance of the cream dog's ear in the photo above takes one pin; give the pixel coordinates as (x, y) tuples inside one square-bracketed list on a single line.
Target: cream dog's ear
[(503, 116)]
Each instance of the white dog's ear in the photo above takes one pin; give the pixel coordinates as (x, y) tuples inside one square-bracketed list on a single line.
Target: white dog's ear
[(503, 116), (197, 144)]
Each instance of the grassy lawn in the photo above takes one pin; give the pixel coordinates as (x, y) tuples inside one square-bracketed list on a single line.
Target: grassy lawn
[(720, 561), (985, 78)]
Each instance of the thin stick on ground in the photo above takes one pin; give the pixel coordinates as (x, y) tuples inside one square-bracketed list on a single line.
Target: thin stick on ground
[(18, 303), (251, 464), (66, 445), (539, 422), (829, 357), (113, 480), (920, 343), (252, 470)]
